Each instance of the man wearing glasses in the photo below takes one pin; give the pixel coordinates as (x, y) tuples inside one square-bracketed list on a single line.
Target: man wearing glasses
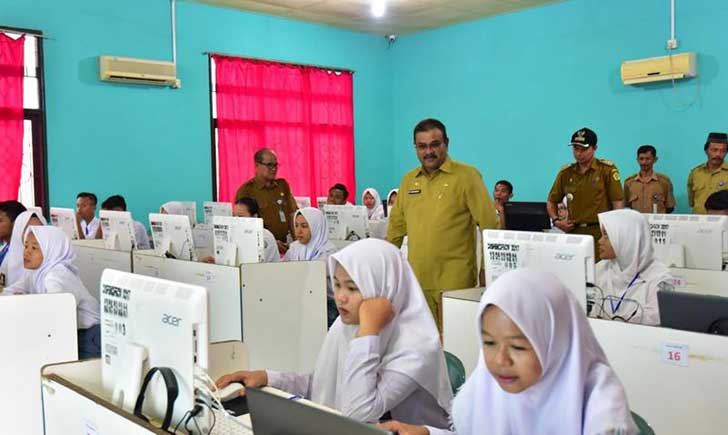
[(438, 207), (273, 195)]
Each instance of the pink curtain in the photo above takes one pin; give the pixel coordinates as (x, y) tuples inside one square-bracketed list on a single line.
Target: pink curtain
[(11, 115), (304, 114)]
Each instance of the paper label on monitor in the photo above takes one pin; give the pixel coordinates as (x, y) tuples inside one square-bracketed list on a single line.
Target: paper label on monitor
[(676, 354), (502, 257), (679, 282), (660, 234)]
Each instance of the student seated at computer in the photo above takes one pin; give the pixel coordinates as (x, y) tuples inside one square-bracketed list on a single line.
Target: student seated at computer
[(248, 207), (312, 243), (12, 266), (118, 203), (9, 212), (371, 200), (382, 357), (717, 203), (172, 207), (48, 259), (392, 198), (629, 275), (541, 369)]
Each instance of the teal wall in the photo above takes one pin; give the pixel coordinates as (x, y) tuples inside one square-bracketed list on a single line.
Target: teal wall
[(513, 88), (153, 144)]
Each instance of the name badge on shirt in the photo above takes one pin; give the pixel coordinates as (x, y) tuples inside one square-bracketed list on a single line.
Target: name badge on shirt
[(414, 191)]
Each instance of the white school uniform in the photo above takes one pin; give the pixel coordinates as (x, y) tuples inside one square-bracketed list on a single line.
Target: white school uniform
[(578, 392), (88, 229), (57, 274), (12, 266), (270, 248), (630, 282), (402, 370), (141, 236), (319, 247), (376, 212)]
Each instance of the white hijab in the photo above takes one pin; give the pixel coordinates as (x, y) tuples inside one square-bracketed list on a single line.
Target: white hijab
[(14, 257), (173, 207), (410, 343), (389, 195), (57, 251), (376, 212), (578, 392), (319, 246), (629, 233)]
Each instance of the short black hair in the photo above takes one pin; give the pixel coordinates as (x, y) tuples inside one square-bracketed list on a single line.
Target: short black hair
[(505, 183), (251, 203), (430, 124), (12, 209), (258, 156), (716, 138), (88, 195), (114, 201), (717, 201), (647, 149), (341, 187)]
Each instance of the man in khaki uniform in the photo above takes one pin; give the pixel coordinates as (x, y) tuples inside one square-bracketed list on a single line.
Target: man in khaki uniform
[(438, 207), (648, 191), (711, 176), (275, 201), (592, 186)]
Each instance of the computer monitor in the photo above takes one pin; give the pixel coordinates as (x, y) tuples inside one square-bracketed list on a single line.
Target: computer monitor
[(321, 202), (238, 240), (65, 219), (693, 312), (347, 222), (526, 216), (703, 238), (267, 408), (211, 209), (149, 322), (568, 256), (118, 230), (190, 209), (172, 236), (303, 201)]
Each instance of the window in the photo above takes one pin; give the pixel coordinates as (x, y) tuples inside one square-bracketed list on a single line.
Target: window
[(33, 184)]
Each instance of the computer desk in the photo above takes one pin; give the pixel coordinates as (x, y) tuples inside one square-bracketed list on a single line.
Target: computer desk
[(92, 258), (674, 399), (705, 282), (268, 306), (36, 330)]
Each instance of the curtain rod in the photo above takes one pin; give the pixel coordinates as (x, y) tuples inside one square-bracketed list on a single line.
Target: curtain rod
[(23, 32), (332, 68)]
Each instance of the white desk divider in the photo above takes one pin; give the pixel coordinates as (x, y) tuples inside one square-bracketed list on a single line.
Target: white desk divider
[(704, 282), (92, 258), (36, 330), (459, 336), (284, 314)]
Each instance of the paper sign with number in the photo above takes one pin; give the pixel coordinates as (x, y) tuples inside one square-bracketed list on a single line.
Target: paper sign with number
[(676, 354)]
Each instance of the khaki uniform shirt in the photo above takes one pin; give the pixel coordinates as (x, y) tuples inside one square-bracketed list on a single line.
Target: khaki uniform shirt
[(641, 196), (439, 214), (276, 203), (594, 191), (702, 182)]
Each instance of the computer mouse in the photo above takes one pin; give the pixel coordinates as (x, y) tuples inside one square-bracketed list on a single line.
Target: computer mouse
[(230, 392)]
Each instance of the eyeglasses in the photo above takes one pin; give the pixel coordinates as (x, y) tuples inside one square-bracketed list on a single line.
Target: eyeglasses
[(272, 165)]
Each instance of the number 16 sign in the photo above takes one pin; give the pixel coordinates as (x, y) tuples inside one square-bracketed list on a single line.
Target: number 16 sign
[(676, 354)]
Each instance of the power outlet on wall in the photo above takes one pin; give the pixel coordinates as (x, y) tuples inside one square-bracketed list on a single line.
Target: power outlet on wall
[(671, 44)]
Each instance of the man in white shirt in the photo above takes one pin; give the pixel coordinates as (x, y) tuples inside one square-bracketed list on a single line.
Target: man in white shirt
[(86, 220), (118, 203)]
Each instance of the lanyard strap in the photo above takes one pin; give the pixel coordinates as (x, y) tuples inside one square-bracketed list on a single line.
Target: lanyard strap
[(631, 283)]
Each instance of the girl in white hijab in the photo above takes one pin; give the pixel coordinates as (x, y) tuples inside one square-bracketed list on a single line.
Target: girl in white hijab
[(629, 275), (392, 197), (541, 369), (12, 267), (383, 354), (371, 200), (48, 259), (173, 207)]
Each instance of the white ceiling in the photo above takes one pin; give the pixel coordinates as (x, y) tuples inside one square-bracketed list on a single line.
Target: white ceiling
[(402, 16)]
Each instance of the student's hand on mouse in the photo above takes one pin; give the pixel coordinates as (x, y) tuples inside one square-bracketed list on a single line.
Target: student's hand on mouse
[(374, 315), (255, 379), (404, 429)]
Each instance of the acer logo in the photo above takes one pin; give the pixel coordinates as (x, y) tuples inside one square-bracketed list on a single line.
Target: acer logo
[(564, 257), (171, 320)]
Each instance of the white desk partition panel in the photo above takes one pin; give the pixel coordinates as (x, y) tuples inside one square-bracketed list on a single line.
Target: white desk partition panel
[(674, 399), (284, 314), (222, 283), (92, 258), (341, 244), (705, 282), (459, 333), (36, 330)]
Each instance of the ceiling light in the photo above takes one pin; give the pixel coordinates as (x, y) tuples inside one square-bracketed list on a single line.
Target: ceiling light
[(378, 8)]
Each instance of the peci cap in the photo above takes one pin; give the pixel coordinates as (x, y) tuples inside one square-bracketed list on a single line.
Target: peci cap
[(584, 138)]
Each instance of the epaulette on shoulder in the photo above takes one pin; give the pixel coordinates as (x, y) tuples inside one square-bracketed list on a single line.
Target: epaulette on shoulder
[(606, 162)]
